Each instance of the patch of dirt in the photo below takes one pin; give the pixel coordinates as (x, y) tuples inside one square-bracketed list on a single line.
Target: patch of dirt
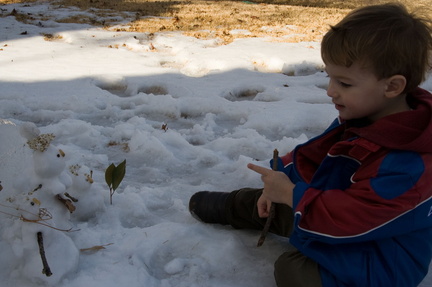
[(281, 20)]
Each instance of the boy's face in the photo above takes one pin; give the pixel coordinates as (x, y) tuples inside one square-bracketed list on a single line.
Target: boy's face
[(357, 93)]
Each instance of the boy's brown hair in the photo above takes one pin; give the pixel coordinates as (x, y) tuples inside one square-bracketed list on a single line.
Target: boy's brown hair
[(386, 38)]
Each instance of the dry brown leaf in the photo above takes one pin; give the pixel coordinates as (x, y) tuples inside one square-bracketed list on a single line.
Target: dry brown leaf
[(95, 248)]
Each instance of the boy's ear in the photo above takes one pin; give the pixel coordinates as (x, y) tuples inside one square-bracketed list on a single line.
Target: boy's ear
[(395, 85)]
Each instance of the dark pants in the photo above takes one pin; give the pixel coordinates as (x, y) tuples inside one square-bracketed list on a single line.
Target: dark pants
[(292, 268)]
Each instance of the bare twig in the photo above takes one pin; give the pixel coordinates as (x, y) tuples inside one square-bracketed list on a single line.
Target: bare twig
[(46, 269), (42, 217), (39, 221), (272, 207)]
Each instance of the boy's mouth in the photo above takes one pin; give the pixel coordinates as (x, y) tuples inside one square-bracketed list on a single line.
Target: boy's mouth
[(338, 107)]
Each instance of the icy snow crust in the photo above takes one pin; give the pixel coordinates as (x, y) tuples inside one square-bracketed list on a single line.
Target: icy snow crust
[(106, 97)]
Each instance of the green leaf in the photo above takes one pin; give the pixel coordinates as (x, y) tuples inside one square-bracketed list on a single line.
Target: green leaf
[(109, 175), (118, 174)]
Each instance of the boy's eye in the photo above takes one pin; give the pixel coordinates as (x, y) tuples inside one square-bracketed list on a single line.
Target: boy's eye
[(345, 85)]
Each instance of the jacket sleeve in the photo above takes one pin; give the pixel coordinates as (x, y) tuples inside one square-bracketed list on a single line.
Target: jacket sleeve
[(392, 196), (285, 164)]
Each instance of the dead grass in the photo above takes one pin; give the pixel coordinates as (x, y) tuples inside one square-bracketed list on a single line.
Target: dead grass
[(15, 1), (229, 20), (284, 20), (51, 37)]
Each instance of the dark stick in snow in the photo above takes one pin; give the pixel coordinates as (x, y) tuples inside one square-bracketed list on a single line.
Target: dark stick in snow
[(272, 207), (46, 269)]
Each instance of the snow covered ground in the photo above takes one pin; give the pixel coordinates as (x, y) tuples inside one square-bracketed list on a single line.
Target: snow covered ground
[(186, 114)]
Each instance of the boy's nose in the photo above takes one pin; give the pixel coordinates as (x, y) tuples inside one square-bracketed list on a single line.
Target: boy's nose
[(330, 90)]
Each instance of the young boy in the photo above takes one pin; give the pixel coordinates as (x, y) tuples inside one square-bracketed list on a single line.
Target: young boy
[(355, 201)]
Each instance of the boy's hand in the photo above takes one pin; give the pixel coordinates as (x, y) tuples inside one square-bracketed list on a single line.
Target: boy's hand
[(278, 188), (263, 205)]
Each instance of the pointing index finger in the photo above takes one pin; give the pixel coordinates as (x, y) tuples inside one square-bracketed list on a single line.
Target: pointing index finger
[(259, 169)]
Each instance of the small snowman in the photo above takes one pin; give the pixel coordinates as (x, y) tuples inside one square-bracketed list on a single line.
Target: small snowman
[(40, 238), (87, 202), (51, 178)]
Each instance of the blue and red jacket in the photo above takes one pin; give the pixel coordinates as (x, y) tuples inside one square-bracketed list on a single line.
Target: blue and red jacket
[(363, 198)]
